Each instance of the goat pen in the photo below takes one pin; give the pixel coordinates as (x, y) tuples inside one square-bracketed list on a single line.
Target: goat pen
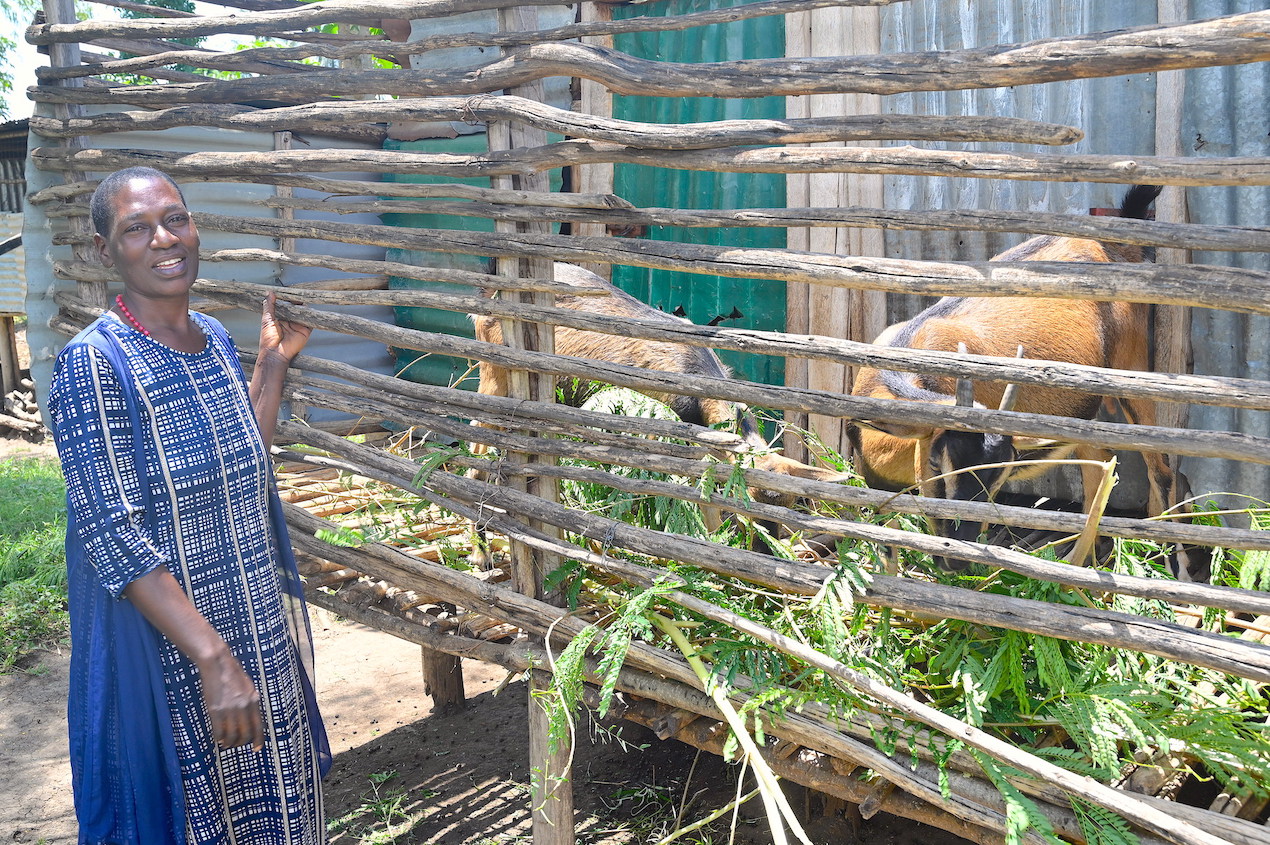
[(837, 713)]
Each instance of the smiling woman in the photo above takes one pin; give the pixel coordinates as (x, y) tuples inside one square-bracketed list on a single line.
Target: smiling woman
[(191, 705), (145, 232)]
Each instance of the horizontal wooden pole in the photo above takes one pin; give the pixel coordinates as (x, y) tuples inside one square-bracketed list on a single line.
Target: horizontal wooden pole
[(1112, 229), (799, 578), (82, 271), (1237, 39), (494, 203), (303, 17), (679, 136), (68, 192), (1155, 170), (379, 397), (1112, 435), (669, 23)]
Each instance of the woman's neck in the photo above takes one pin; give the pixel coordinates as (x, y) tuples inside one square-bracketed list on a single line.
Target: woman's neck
[(165, 321)]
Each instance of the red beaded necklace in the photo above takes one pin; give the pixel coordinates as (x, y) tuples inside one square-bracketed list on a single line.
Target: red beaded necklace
[(128, 314)]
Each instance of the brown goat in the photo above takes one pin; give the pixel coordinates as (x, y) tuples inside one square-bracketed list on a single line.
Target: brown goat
[(661, 356), (1098, 334)]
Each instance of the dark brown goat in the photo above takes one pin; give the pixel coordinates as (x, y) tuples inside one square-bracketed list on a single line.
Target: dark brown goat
[(1098, 334)]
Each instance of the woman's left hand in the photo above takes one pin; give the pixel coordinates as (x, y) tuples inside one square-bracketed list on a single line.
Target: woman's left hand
[(281, 337)]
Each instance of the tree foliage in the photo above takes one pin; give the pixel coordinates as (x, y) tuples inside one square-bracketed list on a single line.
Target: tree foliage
[(18, 13)]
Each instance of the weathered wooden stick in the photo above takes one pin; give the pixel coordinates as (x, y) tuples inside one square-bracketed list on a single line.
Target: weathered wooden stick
[(144, 49), (510, 39), (1237, 39), (1111, 229), (676, 136), (156, 74), (302, 17), (1070, 523), (151, 11), (68, 192), (1156, 170), (87, 271), (369, 400), (612, 209), (595, 445), (1112, 435), (149, 55)]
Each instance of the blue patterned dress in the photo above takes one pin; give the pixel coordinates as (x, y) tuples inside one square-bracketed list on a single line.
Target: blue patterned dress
[(165, 466)]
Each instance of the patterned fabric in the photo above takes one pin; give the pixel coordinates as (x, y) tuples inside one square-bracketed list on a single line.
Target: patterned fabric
[(179, 479)]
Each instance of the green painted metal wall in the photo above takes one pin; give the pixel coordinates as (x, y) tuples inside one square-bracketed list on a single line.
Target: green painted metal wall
[(702, 298), (412, 365)]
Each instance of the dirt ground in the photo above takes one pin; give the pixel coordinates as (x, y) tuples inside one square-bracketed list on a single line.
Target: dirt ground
[(404, 775)]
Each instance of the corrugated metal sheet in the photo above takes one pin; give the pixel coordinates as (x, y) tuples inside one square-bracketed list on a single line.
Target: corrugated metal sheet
[(702, 297), (1117, 115), (1225, 114), (226, 198), (12, 268)]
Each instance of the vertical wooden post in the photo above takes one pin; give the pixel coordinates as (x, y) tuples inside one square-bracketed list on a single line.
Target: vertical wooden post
[(818, 309), (443, 681), (551, 793), (65, 54), (10, 377), (596, 100), (1172, 323), (283, 141)]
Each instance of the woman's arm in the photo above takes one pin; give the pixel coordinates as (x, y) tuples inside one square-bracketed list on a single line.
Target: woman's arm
[(280, 342), (231, 698)]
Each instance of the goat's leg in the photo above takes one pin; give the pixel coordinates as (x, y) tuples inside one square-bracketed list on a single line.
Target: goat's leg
[(493, 383), (1168, 489), (1091, 475)]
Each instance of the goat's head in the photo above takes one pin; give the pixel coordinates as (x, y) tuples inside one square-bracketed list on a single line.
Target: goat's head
[(968, 466)]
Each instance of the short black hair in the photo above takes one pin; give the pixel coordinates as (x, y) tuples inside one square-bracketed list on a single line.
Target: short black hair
[(100, 204)]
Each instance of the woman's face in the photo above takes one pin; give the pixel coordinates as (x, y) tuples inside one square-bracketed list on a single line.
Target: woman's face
[(152, 242)]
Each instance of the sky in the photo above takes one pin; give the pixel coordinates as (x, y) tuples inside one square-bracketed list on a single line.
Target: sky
[(22, 63), (26, 59)]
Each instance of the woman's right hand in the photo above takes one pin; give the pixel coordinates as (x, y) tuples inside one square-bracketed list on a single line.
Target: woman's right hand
[(232, 703)]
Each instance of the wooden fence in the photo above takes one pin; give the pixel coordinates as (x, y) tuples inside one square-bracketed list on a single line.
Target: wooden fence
[(971, 780)]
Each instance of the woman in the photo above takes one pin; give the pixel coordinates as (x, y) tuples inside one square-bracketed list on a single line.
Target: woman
[(191, 710)]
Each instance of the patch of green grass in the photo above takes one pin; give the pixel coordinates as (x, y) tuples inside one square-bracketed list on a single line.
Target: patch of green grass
[(32, 559), (32, 523)]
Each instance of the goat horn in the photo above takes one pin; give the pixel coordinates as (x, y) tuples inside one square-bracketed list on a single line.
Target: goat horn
[(965, 387), (1011, 394)]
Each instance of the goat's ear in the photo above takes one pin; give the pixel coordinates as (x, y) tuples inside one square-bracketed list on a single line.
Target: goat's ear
[(798, 469), (1027, 444)]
